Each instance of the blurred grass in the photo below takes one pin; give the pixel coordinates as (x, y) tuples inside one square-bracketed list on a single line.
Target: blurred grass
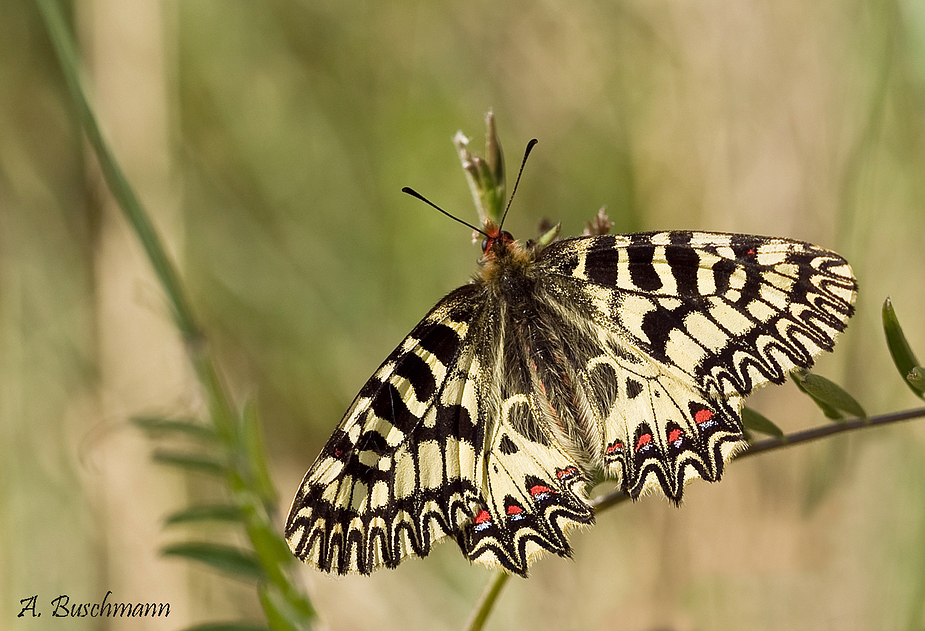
[(293, 126)]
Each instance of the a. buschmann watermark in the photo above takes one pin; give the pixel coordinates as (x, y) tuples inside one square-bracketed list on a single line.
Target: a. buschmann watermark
[(62, 607)]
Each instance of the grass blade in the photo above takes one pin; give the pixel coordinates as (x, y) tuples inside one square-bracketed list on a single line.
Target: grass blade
[(205, 512), (759, 423), (900, 351), (226, 559)]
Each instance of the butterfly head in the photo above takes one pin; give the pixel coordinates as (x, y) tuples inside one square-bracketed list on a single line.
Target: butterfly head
[(502, 258), (496, 242)]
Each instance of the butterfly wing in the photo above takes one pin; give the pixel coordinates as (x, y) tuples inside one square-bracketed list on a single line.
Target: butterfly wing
[(435, 446), (532, 491), (635, 352), (397, 475), (669, 331)]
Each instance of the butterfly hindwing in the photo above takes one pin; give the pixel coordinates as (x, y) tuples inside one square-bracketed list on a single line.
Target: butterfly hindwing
[(534, 495), (533, 491)]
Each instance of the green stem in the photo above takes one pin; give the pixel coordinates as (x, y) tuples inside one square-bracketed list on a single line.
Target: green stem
[(224, 416), (486, 601), (115, 178), (125, 196)]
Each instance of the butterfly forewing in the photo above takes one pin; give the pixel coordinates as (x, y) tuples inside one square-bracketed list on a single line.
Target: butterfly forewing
[(399, 472), (627, 355), (732, 311)]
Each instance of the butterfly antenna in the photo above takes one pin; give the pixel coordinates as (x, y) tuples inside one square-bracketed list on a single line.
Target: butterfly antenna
[(523, 163), (410, 191)]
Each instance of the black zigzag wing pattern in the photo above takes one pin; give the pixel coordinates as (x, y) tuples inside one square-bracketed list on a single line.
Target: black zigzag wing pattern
[(397, 474), (677, 328)]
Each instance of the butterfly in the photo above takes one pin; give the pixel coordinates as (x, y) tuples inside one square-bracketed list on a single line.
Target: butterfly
[(626, 357)]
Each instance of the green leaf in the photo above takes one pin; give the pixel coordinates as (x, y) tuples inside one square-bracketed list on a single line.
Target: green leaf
[(227, 626), (158, 425), (829, 396), (759, 423), (916, 377), (271, 548), (549, 236), (205, 512), (798, 376), (227, 559), (900, 351), (198, 462), (256, 454), (281, 613), (300, 604)]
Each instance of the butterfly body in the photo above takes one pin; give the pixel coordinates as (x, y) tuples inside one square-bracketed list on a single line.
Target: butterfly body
[(622, 356), (533, 351)]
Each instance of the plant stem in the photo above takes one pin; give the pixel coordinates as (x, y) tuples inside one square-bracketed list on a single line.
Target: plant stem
[(115, 178), (240, 479), (486, 601)]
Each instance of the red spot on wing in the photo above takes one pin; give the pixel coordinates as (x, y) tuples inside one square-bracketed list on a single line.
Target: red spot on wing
[(644, 440), (514, 509), (538, 489), (617, 446), (566, 472), (674, 435), (702, 416), (482, 517)]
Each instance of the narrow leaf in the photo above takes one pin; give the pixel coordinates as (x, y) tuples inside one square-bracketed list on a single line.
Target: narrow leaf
[(830, 397), (759, 423), (227, 559), (830, 412), (300, 604), (205, 512), (158, 425), (269, 545), (549, 236), (198, 462), (833, 394), (900, 351), (280, 613)]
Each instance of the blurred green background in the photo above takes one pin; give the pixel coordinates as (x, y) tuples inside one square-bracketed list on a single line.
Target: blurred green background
[(270, 141)]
